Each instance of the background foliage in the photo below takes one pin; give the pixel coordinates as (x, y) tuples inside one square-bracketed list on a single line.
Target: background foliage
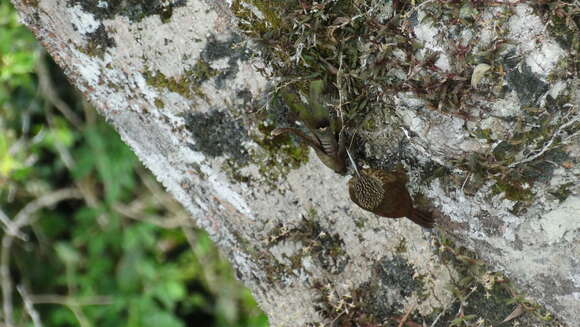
[(88, 237)]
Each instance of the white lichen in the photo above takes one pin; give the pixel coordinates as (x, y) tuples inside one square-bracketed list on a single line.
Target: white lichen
[(85, 22)]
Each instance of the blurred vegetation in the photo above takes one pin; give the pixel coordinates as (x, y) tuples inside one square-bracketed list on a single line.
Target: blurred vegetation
[(88, 236)]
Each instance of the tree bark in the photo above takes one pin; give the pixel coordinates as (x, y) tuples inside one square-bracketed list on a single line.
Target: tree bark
[(190, 95)]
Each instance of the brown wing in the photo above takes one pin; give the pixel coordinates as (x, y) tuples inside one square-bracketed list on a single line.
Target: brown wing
[(396, 201)]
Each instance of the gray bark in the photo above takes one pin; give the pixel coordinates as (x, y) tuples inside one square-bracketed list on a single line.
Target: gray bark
[(187, 93)]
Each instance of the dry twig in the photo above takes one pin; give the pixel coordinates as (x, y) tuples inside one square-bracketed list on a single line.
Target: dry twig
[(547, 146), (29, 306), (23, 218)]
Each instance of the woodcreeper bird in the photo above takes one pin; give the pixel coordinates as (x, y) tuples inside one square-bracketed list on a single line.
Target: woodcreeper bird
[(325, 137), (385, 194)]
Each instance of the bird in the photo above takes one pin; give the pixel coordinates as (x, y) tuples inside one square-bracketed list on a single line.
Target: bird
[(325, 135), (385, 194)]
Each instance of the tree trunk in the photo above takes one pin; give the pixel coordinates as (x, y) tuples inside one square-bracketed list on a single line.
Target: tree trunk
[(193, 98)]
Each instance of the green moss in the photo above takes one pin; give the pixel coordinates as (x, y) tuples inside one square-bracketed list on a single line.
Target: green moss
[(370, 304), (189, 84), (159, 103), (202, 72), (513, 190), (562, 16), (514, 176), (484, 134), (335, 38), (275, 158), (482, 295), (293, 154), (327, 249), (267, 8), (563, 192), (160, 81), (346, 310)]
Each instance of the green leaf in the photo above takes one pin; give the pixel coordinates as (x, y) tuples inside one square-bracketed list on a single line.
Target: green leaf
[(317, 109), (161, 319), (128, 278), (67, 253), (7, 162), (113, 161), (169, 292), (203, 245)]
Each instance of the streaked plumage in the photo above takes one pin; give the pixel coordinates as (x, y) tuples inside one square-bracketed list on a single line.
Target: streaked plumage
[(385, 194)]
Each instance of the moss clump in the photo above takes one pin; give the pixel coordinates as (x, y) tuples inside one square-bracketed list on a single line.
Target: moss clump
[(396, 273), (483, 295), (509, 166), (562, 18), (188, 85), (281, 153), (275, 156), (271, 21), (373, 303), (364, 54), (513, 190), (563, 192), (327, 249), (160, 81), (344, 310), (202, 72), (159, 103)]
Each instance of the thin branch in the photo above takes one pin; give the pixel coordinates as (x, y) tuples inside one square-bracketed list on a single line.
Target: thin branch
[(6, 222), (135, 211), (69, 163), (6, 280), (29, 306), (407, 314), (74, 304), (548, 145), (23, 218), (48, 92), (68, 301), (438, 317), (190, 236), (407, 14)]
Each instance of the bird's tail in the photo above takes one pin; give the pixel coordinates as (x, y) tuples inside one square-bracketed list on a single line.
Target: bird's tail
[(422, 218)]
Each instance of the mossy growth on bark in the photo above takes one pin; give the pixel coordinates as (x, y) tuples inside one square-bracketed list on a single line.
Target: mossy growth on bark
[(482, 296), (366, 52), (188, 86)]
